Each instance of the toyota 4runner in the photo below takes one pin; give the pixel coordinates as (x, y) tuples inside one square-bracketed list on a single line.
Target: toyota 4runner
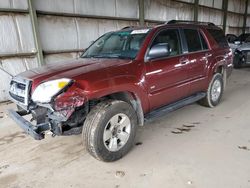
[(124, 78)]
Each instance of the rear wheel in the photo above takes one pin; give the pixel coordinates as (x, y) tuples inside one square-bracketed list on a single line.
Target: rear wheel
[(109, 130), (214, 92)]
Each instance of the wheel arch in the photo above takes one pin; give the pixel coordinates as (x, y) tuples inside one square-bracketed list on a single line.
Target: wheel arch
[(130, 98)]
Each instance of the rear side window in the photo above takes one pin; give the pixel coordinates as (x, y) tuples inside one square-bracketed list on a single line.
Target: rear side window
[(203, 42), (193, 40), (219, 37)]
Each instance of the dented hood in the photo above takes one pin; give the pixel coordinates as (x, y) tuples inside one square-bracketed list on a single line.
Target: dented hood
[(89, 68)]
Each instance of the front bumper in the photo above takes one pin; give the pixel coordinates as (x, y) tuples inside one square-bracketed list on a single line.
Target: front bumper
[(37, 131)]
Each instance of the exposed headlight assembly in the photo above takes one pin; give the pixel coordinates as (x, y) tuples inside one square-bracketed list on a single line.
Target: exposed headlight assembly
[(45, 91)]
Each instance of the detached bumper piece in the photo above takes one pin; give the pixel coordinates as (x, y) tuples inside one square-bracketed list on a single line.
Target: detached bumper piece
[(36, 131)]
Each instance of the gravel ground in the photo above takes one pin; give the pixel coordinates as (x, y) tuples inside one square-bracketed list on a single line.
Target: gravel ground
[(191, 147)]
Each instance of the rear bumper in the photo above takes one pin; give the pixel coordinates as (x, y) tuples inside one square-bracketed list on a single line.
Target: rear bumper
[(37, 131)]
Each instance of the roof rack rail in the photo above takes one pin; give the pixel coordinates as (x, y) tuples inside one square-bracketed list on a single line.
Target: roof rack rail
[(190, 22)]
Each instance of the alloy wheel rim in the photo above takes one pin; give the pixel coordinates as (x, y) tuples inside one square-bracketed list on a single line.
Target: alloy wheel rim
[(216, 90), (116, 132)]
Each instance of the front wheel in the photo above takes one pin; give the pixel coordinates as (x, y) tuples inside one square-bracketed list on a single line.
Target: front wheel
[(109, 130), (214, 92)]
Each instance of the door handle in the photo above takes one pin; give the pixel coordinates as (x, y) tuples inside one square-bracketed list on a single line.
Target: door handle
[(184, 61), (208, 55)]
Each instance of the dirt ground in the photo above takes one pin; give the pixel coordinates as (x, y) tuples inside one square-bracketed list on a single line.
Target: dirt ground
[(194, 147)]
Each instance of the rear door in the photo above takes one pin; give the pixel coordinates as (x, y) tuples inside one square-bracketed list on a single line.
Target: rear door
[(166, 77), (199, 56)]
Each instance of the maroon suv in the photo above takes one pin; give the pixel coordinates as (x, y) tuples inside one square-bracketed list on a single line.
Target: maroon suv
[(123, 78)]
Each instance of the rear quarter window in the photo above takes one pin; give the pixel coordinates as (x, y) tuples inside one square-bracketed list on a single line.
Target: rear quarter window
[(219, 37)]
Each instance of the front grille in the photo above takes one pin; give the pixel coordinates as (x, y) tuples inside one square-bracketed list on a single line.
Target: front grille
[(19, 90)]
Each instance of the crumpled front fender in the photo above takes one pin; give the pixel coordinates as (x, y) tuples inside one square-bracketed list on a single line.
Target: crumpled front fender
[(67, 102)]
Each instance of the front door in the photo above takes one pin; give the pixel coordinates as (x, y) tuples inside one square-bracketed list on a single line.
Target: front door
[(166, 77)]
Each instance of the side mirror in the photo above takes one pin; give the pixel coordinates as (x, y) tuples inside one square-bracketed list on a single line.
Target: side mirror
[(158, 51), (237, 42)]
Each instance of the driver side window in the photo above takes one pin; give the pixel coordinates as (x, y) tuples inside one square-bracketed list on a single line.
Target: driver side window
[(170, 36)]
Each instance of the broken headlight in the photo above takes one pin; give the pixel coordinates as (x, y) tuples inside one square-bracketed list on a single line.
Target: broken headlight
[(47, 90)]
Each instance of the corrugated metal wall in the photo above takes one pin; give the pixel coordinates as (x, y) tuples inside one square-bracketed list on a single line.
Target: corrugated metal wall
[(16, 37), (66, 27)]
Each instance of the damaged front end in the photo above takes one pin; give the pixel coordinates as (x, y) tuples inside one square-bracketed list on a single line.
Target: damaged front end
[(61, 112)]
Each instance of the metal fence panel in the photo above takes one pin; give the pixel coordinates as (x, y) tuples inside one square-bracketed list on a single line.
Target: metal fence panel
[(114, 8), (236, 6), (61, 33), (14, 4), (208, 15), (58, 58), (164, 10), (16, 34), (235, 20), (127, 8), (57, 33), (211, 3)]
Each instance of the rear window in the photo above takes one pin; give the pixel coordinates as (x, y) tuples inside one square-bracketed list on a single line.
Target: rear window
[(219, 37)]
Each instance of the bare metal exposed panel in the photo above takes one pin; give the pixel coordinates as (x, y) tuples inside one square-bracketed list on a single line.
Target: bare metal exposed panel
[(234, 23), (127, 8), (236, 6), (207, 15), (114, 8), (163, 10), (15, 4), (16, 34), (61, 33), (57, 33), (57, 58), (235, 20), (13, 66), (210, 3)]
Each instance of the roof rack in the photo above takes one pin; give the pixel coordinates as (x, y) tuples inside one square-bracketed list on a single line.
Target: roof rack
[(190, 22)]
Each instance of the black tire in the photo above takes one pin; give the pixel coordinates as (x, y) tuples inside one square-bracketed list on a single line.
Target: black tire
[(207, 101), (237, 64), (95, 123)]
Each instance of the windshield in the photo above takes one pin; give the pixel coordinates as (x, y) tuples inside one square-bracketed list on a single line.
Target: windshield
[(121, 44)]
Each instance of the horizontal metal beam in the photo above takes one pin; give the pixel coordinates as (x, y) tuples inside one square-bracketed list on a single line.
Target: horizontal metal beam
[(155, 21), (21, 55), (211, 8), (72, 15), (183, 2), (237, 27), (63, 51), (12, 10), (208, 7), (240, 14)]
